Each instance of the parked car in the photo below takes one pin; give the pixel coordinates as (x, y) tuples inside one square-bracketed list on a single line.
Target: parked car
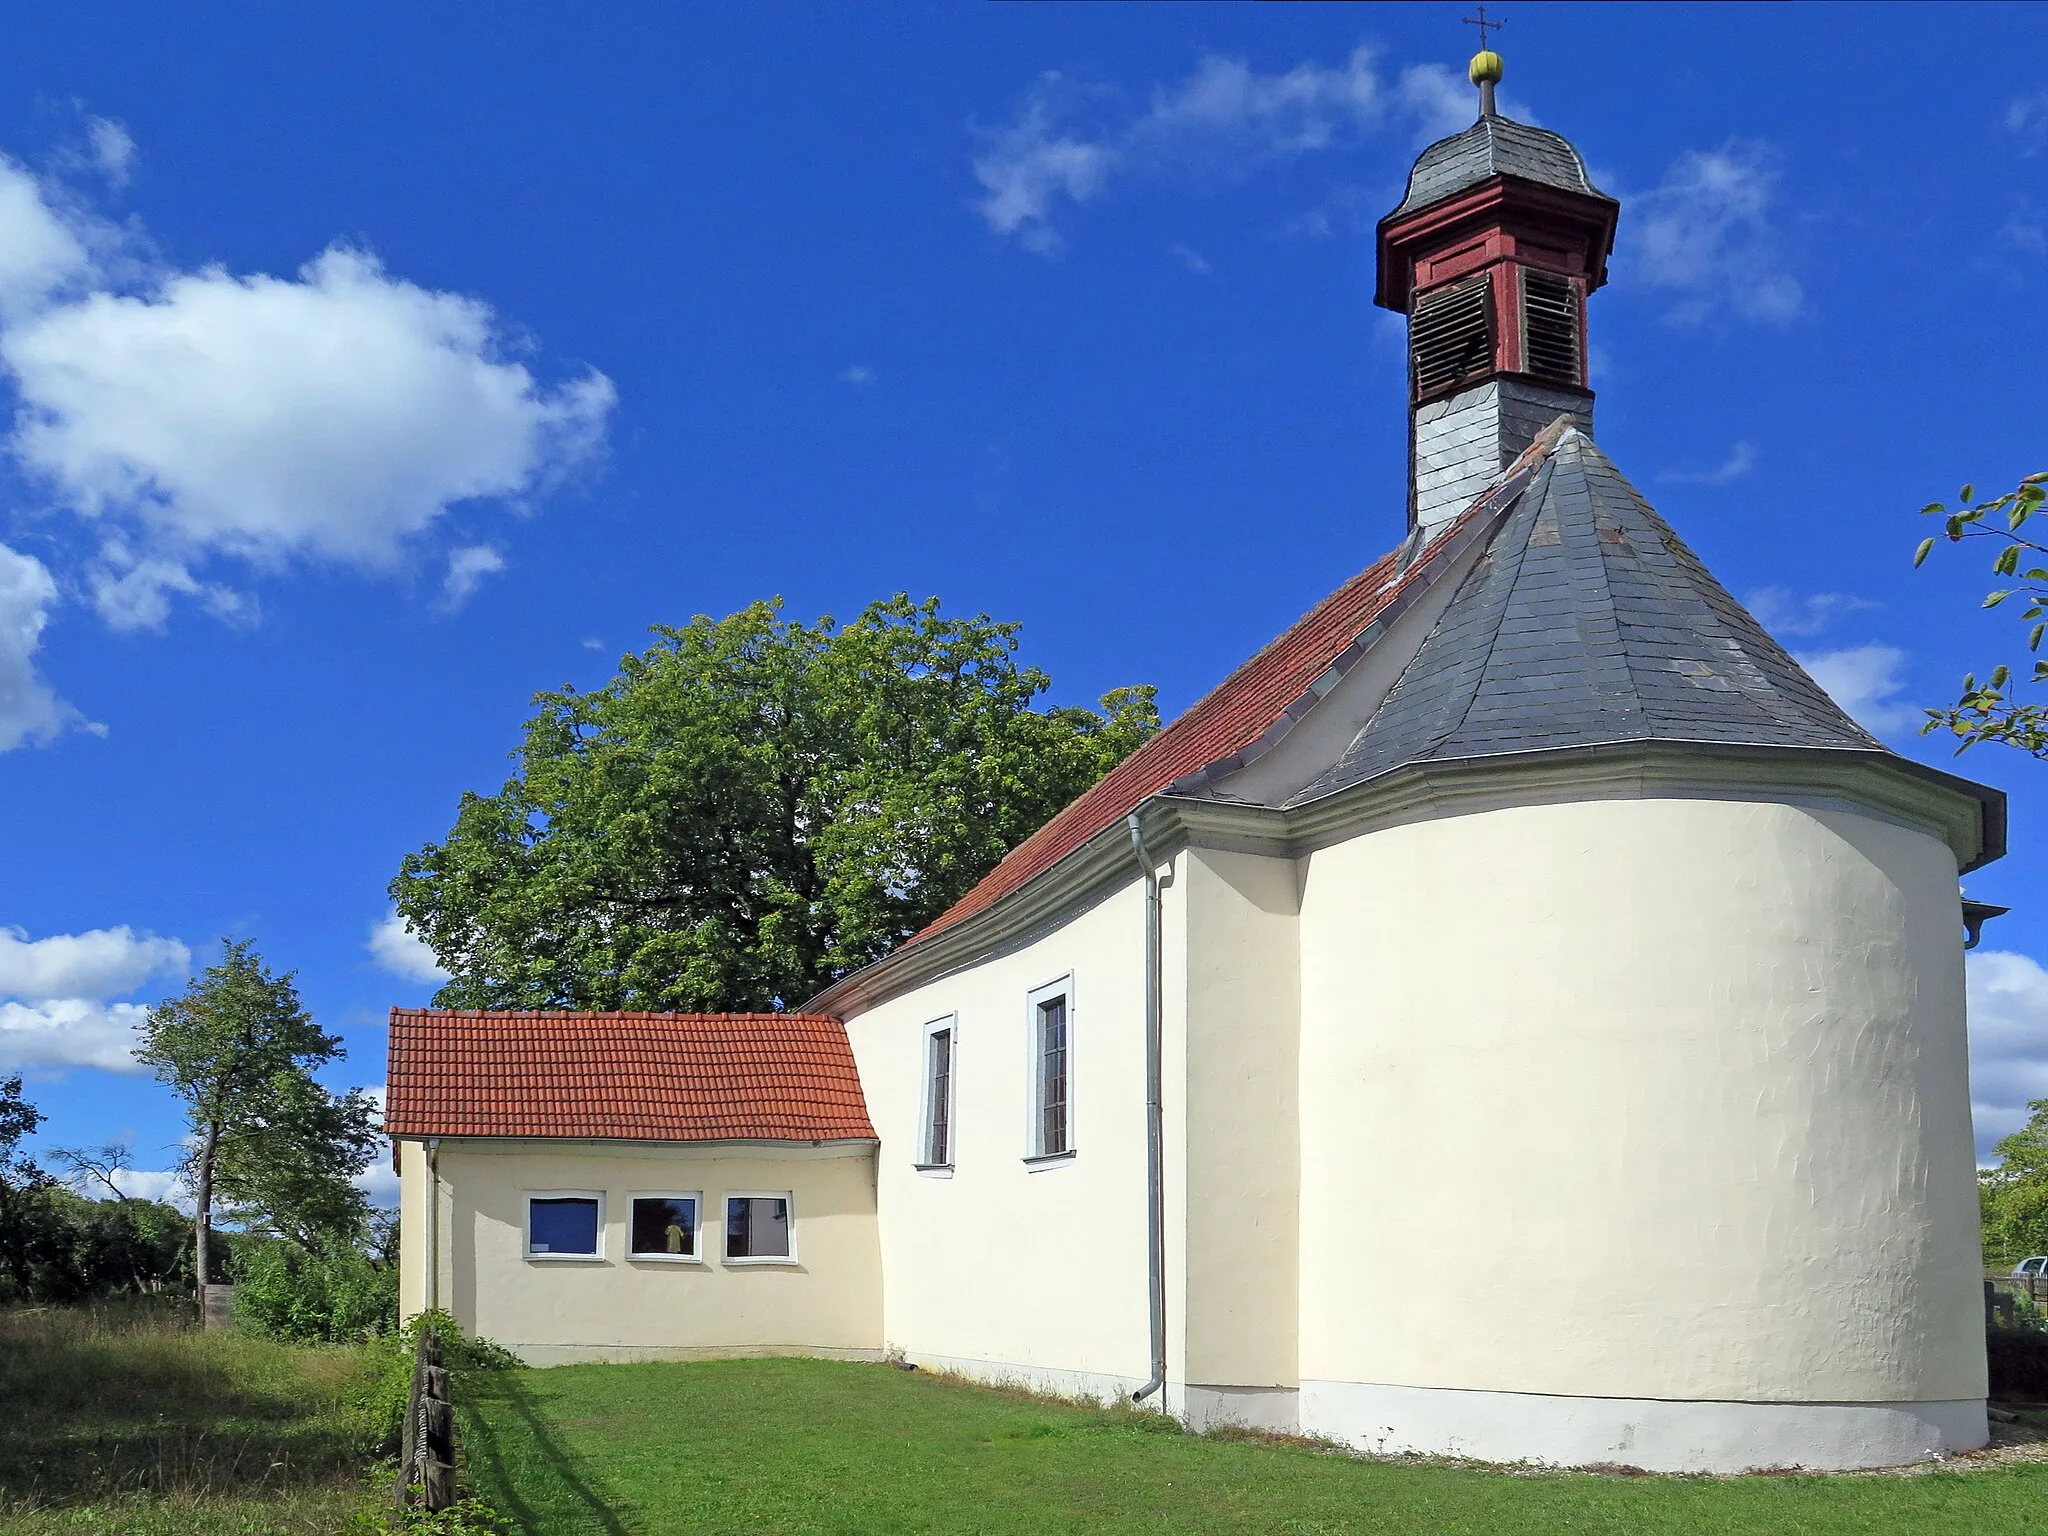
[(2037, 1265)]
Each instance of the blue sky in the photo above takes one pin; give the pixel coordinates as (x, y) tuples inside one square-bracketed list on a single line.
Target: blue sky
[(367, 370)]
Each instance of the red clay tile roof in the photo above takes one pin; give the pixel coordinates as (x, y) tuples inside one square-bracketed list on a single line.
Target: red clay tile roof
[(1233, 716), (628, 1076)]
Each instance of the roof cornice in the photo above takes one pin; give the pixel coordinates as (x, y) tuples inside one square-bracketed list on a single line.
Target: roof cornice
[(1969, 817)]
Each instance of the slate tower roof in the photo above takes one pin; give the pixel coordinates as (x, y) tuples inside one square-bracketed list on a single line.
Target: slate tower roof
[(1495, 146), (1586, 621)]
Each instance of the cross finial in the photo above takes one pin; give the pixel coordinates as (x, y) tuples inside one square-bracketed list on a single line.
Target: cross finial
[(1485, 68)]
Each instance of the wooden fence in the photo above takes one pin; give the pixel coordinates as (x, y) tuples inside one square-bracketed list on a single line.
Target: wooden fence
[(428, 1457)]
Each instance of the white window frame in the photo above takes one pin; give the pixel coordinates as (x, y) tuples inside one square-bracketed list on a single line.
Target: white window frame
[(725, 1214), (950, 1027), (526, 1237), (695, 1196), (1036, 1158)]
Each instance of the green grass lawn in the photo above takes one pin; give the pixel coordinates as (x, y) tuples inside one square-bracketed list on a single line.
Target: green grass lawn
[(124, 1421), (804, 1446)]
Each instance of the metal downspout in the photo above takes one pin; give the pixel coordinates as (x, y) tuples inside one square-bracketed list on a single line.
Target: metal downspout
[(1155, 1125), (432, 1288)]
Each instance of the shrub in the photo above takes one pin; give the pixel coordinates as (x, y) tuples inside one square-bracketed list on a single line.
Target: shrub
[(471, 1517), (377, 1401), (320, 1295)]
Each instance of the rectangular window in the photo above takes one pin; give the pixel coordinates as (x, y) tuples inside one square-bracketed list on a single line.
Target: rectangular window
[(1052, 1071), (757, 1229), (664, 1227), (935, 1151), (566, 1224)]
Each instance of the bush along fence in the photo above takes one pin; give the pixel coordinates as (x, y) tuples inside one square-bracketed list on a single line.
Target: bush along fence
[(427, 1460)]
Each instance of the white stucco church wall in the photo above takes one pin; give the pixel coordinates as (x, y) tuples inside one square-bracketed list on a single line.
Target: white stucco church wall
[(1613, 1107)]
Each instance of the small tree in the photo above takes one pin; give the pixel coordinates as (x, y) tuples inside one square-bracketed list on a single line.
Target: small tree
[(1986, 711), (267, 1141), (2015, 1193)]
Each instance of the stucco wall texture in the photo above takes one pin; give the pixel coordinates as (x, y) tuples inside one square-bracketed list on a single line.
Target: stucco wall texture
[(1686, 1077), (549, 1311)]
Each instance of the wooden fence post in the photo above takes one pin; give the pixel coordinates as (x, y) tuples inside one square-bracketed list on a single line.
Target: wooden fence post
[(428, 1454)]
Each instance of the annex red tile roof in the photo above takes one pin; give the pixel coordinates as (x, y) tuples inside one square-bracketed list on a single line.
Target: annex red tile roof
[(629, 1076), (1230, 718)]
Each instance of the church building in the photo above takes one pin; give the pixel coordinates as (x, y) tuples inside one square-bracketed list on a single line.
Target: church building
[(1515, 1015)]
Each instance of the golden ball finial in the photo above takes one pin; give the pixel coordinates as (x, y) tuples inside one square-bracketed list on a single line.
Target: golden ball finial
[(1485, 68)]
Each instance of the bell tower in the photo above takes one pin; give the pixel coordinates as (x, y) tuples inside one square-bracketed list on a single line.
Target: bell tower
[(1491, 255)]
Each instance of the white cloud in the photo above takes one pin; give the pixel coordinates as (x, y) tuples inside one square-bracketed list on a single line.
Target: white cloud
[(1444, 101), (54, 1008), (1864, 680), (2027, 117), (1740, 461), (398, 950), (165, 1185), (593, 645), (1193, 260), (858, 375), (332, 416), (29, 710), (113, 149), (1784, 612), (41, 252), (1705, 234), (2008, 1042), (1224, 117), (103, 962), (467, 567), (70, 1032), (132, 593)]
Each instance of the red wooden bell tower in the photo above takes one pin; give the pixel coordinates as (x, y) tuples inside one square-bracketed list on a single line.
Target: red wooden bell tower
[(1491, 255)]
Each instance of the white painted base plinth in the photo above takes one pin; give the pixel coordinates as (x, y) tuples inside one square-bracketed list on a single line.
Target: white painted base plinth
[(1277, 1410), (1656, 1435)]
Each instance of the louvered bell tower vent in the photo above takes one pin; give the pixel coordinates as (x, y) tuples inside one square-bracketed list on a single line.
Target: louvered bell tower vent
[(1550, 326), (1451, 335)]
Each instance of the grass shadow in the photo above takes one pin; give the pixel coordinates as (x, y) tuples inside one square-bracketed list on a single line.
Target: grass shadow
[(519, 1463)]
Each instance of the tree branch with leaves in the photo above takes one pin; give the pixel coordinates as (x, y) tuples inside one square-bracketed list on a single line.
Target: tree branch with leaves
[(1987, 711)]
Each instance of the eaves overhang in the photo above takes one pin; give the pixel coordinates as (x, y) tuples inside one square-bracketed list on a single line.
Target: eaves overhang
[(1969, 817)]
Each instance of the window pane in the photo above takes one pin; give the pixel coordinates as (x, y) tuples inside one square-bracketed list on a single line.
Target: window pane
[(756, 1227), (1052, 1076), (938, 1140), (665, 1226), (562, 1226)]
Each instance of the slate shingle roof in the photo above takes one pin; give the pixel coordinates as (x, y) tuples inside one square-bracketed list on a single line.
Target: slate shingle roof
[(627, 1076), (1495, 146), (1586, 621)]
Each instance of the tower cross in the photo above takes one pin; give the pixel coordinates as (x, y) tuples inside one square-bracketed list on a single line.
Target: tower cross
[(1483, 24)]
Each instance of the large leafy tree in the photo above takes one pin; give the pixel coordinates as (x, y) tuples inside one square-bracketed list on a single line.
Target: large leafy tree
[(268, 1144), (1988, 710), (2015, 1193), (21, 1181), (750, 808)]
